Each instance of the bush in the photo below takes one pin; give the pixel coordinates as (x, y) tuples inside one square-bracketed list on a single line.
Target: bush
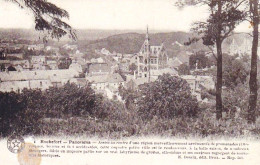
[(70, 100), (16, 117)]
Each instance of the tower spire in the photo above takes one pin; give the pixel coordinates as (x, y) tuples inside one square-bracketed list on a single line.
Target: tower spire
[(147, 34)]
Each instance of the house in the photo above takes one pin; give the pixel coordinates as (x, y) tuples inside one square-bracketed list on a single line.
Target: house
[(25, 64), (77, 67), (135, 83), (51, 48), (70, 47), (81, 82), (156, 73), (197, 82), (40, 79), (36, 47), (110, 81), (38, 62), (4, 64), (97, 60), (104, 51), (38, 59), (16, 55), (99, 69), (124, 66), (174, 62), (134, 59), (52, 64)]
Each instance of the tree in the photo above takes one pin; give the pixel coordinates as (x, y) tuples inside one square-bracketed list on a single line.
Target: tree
[(254, 17), (128, 95), (235, 71), (184, 69), (48, 17), (167, 97), (132, 68), (199, 60), (224, 15), (70, 100)]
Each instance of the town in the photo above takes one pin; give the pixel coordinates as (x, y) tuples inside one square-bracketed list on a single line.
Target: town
[(21, 68), (41, 66)]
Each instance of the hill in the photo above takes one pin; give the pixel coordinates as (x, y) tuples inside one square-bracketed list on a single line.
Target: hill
[(129, 43)]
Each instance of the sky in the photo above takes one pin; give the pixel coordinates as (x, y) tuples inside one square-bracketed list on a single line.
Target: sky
[(114, 15)]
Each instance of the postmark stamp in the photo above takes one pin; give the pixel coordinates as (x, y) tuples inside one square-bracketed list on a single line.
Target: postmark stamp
[(15, 144)]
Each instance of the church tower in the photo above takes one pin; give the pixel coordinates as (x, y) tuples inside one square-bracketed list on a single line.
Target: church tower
[(151, 59), (144, 58)]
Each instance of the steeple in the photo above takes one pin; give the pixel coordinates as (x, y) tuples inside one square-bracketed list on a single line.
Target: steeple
[(147, 34)]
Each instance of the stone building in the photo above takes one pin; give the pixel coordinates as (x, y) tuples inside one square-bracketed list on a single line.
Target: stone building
[(150, 58)]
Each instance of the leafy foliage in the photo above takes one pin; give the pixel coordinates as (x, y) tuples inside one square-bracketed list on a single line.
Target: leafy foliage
[(199, 59), (184, 69), (15, 118), (70, 100), (133, 68), (235, 71), (48, 17), (167, 97)]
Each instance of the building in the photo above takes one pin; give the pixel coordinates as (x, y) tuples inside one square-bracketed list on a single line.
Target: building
[(38, 62), (97, 60), (106, 84), (52, 64), (37, 47), (151, 58), (196, 83), (174, 63), (39, 79), (98, 69), (15, 55), (104, 51)]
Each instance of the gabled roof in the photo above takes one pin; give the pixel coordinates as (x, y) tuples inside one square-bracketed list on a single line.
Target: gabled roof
[(114, 78), (99, 67), (174, 62)]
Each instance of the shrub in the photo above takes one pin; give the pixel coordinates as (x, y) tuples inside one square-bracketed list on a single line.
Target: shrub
[(70, 100), (15, 116)]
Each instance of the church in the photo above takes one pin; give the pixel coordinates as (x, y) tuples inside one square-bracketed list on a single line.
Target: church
[(151, 59)]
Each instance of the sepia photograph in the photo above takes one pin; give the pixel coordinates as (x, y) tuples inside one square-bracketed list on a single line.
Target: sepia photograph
[(129, 82)]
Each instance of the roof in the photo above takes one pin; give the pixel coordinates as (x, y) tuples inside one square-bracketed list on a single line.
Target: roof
[(99, 67), (110, 78), (190, 77), (164, 71), (38, 75), (114, 78), (5, 61), (96, 79), (175, 62), (141, 81), (51, 62)]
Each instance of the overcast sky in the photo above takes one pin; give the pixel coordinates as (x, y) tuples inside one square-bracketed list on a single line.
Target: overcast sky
[(113, 14)]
